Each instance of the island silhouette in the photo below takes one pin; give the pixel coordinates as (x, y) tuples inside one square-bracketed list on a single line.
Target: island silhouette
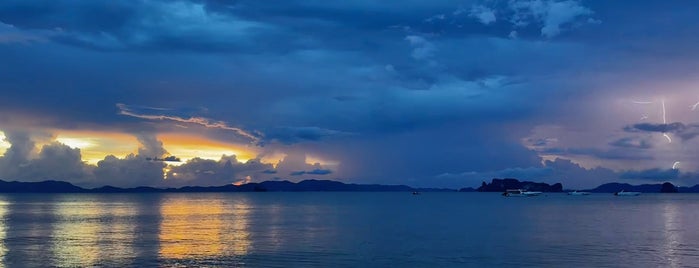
[(496, 185)]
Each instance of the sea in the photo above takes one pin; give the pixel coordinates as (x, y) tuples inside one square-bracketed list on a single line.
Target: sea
[(348, 229)]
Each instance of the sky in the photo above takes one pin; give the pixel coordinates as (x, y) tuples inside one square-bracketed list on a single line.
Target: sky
[(423, 93)]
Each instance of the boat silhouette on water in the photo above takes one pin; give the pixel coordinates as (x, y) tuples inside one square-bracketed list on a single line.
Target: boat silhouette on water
[(625, 193), (520, 193), (578, 193)]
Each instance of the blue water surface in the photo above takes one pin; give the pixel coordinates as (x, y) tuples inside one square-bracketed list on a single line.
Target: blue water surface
[(347, 229)]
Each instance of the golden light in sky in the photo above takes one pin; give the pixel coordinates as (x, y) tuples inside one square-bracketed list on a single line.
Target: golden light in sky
[(94, 146), (189, 146), (3, 144), (311, 159), (76, 142)]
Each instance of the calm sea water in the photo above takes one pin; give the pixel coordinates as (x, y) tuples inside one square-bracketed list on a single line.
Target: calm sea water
[(348, 230)]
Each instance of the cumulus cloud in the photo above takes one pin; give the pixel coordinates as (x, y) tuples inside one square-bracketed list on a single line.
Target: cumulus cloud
[(131, 171), (54, 161), (208, 172), (294, 164), (58, 162), (21, 147), (150, 146)]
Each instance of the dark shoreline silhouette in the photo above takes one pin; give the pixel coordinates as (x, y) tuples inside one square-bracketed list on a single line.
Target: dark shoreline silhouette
[(52, 186), (500, 185), (496, 185)]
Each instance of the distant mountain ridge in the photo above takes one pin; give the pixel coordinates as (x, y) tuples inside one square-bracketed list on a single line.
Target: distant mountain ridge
[(666, 187), (496, 185), (52, 186)]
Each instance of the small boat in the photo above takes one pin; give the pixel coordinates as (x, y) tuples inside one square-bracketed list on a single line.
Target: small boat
[(520, 193), (625, 193), (576, 192), (416, 193)]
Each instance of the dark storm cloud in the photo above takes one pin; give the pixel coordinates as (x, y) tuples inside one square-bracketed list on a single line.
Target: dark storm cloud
[(661, 128), (436, 86), (630, 142), (684, 131), (290, 135), (127, 25)]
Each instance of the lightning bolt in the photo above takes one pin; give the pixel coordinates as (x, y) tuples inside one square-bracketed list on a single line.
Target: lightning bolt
[(676, 165), (669, 140), (694, 107)]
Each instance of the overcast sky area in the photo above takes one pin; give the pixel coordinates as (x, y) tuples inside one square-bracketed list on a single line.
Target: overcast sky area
[(423, 93)]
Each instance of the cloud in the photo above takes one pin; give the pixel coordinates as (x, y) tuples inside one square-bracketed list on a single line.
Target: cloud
[(131, 171), (631, 142), (21, 147), (207, 172), (290, 135), (660, 128), (295, 165), (150, 146), (201, 121), (484, 14), (107, 25), (572, 175), (551, 14), (422, 49), (684, 131), (10, 34), (54, 161)]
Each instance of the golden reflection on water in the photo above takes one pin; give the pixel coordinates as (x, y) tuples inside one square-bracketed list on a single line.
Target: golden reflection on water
[(120, 231), (3, 230), (195, 228), (80, 228), (75, 235)]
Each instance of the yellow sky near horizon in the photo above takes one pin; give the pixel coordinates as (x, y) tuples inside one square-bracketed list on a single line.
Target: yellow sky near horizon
[(96, 145)]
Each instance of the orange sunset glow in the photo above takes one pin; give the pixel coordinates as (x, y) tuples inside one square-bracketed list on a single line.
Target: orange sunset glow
[(94, 146), (189, 146)]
